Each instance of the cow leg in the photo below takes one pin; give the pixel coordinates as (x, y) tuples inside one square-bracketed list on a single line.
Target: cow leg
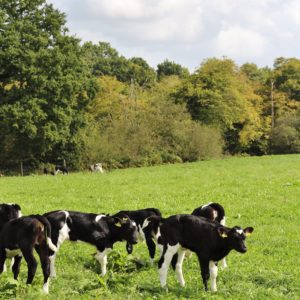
[(101, 256), (164, 262), (151, 248), (129, 248), (223, 263), (204, 265), (52, 265), (45, 262), (2, 261), (213, 271), (31, 264), (178, 268), (16, 266)]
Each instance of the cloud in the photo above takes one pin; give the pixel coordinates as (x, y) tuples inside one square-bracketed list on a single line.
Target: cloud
[(187, 31), (236, 41)]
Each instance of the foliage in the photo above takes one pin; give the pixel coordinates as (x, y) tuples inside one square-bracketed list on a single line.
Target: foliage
[(285, 136), (169, 68), (44, 84)]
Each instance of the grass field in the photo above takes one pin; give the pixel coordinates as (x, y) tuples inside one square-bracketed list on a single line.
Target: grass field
[(262, 192)]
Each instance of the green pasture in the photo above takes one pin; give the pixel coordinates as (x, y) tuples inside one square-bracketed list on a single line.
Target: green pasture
[(262, 192)]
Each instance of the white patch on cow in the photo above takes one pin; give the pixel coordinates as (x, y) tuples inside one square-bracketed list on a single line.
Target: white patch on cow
[(213, 271), (223, 221), (102, 258), (133, 223), (205, 205), (19, 214), (146, 223), (99, 217), (141, 234), (157, 235), (178, 268), (223, 263), (168, 255), (46, 287), (215, 214), (11, 253), (240, 231)]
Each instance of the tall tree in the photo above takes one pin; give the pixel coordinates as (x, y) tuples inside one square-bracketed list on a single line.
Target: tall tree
[(44, 83), (168, 68)]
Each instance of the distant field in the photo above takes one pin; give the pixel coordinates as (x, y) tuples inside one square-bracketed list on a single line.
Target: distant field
[(263, 192)]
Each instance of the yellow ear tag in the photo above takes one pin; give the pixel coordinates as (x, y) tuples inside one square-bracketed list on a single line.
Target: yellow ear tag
[(118, 224), (125, 219), (224, 235), (247, 233)]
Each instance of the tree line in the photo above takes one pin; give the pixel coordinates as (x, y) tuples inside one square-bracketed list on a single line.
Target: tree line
[(63, 100)]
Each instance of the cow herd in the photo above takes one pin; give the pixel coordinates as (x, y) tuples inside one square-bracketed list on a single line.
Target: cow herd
[(202, 232)]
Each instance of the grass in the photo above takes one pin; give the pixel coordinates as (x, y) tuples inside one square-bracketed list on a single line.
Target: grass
[(262, 192)]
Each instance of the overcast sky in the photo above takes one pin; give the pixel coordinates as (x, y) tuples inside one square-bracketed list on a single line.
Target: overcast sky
[(188, 31)]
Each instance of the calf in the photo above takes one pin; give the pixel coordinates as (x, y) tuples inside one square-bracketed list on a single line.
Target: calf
[(209, 240), (8, 212), (139, 216), (214, 212), (61, 169), (99, 230), (19, 237), (97, 167)]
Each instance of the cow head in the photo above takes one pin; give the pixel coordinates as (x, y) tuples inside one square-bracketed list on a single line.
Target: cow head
[(9, 212), (126, 228), (235, 237)]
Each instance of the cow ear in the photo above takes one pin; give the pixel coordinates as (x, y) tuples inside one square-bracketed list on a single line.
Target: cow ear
[(117, 222), (248, 231), (222, 232)]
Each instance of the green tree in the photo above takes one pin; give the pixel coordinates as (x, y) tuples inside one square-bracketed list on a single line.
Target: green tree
[(168, 68), (219, 94), (44, 83)]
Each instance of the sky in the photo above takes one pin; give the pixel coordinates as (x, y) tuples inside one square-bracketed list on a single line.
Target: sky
[(189, 31)]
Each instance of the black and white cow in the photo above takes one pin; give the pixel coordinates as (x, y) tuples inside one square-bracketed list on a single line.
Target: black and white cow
[(139, 216), (214, 212), (99, 230), (97, 167), (61, 169), (19, 237), (8, 211), (208, 239)]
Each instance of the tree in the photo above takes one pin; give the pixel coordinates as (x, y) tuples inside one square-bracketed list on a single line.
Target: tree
[(219, 94), (168, 68), (44, 83)]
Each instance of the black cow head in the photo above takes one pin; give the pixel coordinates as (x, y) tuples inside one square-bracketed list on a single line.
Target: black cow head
[(126, 228), (9, 212), (235, 237)]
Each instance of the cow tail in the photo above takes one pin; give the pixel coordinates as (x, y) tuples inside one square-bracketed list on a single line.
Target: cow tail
[(47, 231)]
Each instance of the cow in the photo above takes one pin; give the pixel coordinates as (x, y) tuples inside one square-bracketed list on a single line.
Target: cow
[(210, 241), (97, 167), (9, 211), (60, 169), (99, 230), (19, 237), (139, 216), (214, 212)]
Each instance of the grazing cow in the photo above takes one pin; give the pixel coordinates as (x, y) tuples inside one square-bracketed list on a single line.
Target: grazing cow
[(8, 212), (214, 212), (61, 169), (97, 167), (208, 239), (139, 216), (19, 237), (99, 230)]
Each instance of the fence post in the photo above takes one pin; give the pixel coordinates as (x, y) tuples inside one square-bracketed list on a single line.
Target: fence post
[(21, 166)]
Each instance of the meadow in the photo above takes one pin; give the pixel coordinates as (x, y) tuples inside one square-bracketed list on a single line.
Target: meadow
[(262, 192)]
